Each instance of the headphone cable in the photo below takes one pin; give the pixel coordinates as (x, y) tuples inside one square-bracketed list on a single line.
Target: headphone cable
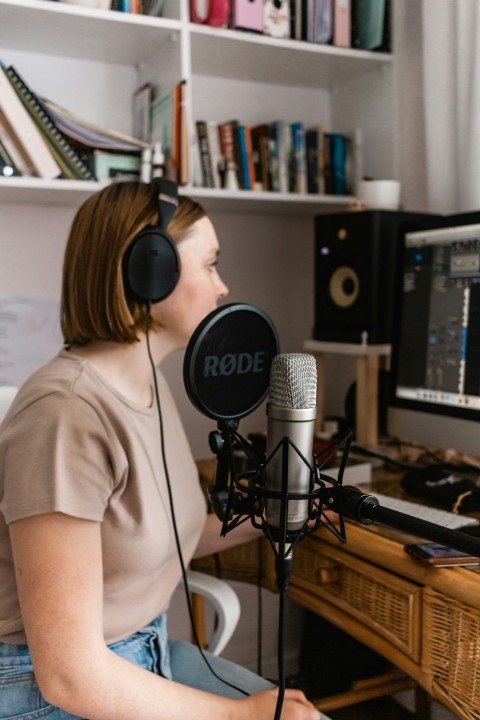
[(172, 510)]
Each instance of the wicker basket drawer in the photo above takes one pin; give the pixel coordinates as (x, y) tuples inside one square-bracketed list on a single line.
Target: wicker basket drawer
[(383, 601), (451, 652)]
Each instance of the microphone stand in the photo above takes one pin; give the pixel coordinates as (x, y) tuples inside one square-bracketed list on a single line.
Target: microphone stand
[(240, 496), (243, 498)]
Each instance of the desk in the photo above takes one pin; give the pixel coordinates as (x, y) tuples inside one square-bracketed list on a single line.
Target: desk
[(426, 621)]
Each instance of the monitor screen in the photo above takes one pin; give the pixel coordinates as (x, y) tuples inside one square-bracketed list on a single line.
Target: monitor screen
[(436, 355)]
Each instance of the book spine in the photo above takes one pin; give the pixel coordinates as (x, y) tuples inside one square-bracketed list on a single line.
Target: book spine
[(311, 138), (338, 160), (205, 159), (250, 157), (236, 152), (215, 153), (342, 30), (298, 145), (48, 128), (244, 169), (14, 151)]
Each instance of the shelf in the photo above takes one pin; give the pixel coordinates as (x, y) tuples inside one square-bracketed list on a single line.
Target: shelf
[(46, 27), (267, 202), (23, 191), (32, 191), (246, 56)]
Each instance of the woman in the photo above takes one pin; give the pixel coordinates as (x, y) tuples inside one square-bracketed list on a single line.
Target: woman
[(88, 561)]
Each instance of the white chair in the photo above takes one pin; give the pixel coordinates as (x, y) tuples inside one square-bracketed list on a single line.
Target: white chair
[(217, 592), (7, 393), (225, 603)]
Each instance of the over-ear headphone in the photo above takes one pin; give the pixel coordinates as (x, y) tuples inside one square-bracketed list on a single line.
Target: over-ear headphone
[(151, 266)]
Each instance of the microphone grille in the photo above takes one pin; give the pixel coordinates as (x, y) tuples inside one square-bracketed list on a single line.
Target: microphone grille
[(293, 381)]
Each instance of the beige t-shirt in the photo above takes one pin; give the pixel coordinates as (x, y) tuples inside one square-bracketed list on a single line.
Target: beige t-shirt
[(72, 444)]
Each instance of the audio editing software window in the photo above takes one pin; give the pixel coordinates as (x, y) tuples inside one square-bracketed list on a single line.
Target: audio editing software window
[(439, 345)]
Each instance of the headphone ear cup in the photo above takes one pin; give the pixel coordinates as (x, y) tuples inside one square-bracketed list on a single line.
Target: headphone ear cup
[(151, 266)]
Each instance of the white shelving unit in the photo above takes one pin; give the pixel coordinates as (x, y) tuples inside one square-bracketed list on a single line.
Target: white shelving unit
[(91, 61)]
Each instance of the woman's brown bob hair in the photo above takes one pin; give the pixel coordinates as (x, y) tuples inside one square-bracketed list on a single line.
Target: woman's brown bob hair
[(94, 306)]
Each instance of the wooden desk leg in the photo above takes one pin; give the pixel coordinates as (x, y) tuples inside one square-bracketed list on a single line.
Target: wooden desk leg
[(366, 414), (198, 610)]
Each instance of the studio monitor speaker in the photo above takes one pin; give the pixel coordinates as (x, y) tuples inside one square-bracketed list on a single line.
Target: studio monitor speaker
[(356, 255)]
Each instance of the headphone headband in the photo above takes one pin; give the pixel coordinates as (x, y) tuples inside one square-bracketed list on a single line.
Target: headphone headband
[(167, 192)]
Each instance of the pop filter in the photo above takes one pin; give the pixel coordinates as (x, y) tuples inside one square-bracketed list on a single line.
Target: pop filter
[(226, 370)]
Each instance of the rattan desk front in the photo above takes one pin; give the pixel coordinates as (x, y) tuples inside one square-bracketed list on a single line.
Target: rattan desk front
[(426, 621)]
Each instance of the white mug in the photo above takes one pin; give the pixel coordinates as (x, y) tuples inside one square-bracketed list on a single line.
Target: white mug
[(379, 194)]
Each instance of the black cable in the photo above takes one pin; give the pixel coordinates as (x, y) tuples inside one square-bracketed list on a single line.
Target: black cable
[(172, 511), (281, 654), (412, 465), (260, 608)]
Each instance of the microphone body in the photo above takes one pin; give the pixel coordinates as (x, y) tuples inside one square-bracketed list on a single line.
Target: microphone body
[(291, 413)]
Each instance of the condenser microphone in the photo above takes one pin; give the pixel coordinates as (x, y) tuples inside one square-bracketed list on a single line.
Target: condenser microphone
[(291, 413)]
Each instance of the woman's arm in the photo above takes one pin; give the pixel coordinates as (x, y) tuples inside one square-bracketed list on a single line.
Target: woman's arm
[(58, 566)]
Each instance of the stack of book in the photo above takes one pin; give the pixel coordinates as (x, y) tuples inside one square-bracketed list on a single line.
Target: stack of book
[(276, 156), (362, 24), (139, 7), (160, 119), (38, 138)]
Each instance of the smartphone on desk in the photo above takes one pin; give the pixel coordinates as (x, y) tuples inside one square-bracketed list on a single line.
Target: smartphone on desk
[(437, 555)]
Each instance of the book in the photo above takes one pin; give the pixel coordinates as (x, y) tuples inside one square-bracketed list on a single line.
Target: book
[(161, 120), (7, 167), (297, 20), (250, 157), (71, 164), (141, 112), (244, 166), (153, 7), (342, 31), (319, 21), (109, 166), (215, 153), (274, 140), (85, 134), (205, 157), (14, 151), (338, 159), (261, 155), (299, 157), (26, 132), (183, 173), (179, 151), (311, 143), (225, 134), (235, 125)]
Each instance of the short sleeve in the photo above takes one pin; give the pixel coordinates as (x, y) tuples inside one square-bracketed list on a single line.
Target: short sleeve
[(56, 457)]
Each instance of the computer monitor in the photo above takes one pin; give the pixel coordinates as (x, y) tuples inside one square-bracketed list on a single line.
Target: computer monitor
[(435, 389)]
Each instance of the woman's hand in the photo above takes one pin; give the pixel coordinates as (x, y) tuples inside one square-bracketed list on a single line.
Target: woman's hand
[(262, 706)]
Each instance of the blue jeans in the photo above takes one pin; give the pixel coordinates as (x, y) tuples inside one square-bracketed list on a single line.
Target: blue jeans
[(21, 699)]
